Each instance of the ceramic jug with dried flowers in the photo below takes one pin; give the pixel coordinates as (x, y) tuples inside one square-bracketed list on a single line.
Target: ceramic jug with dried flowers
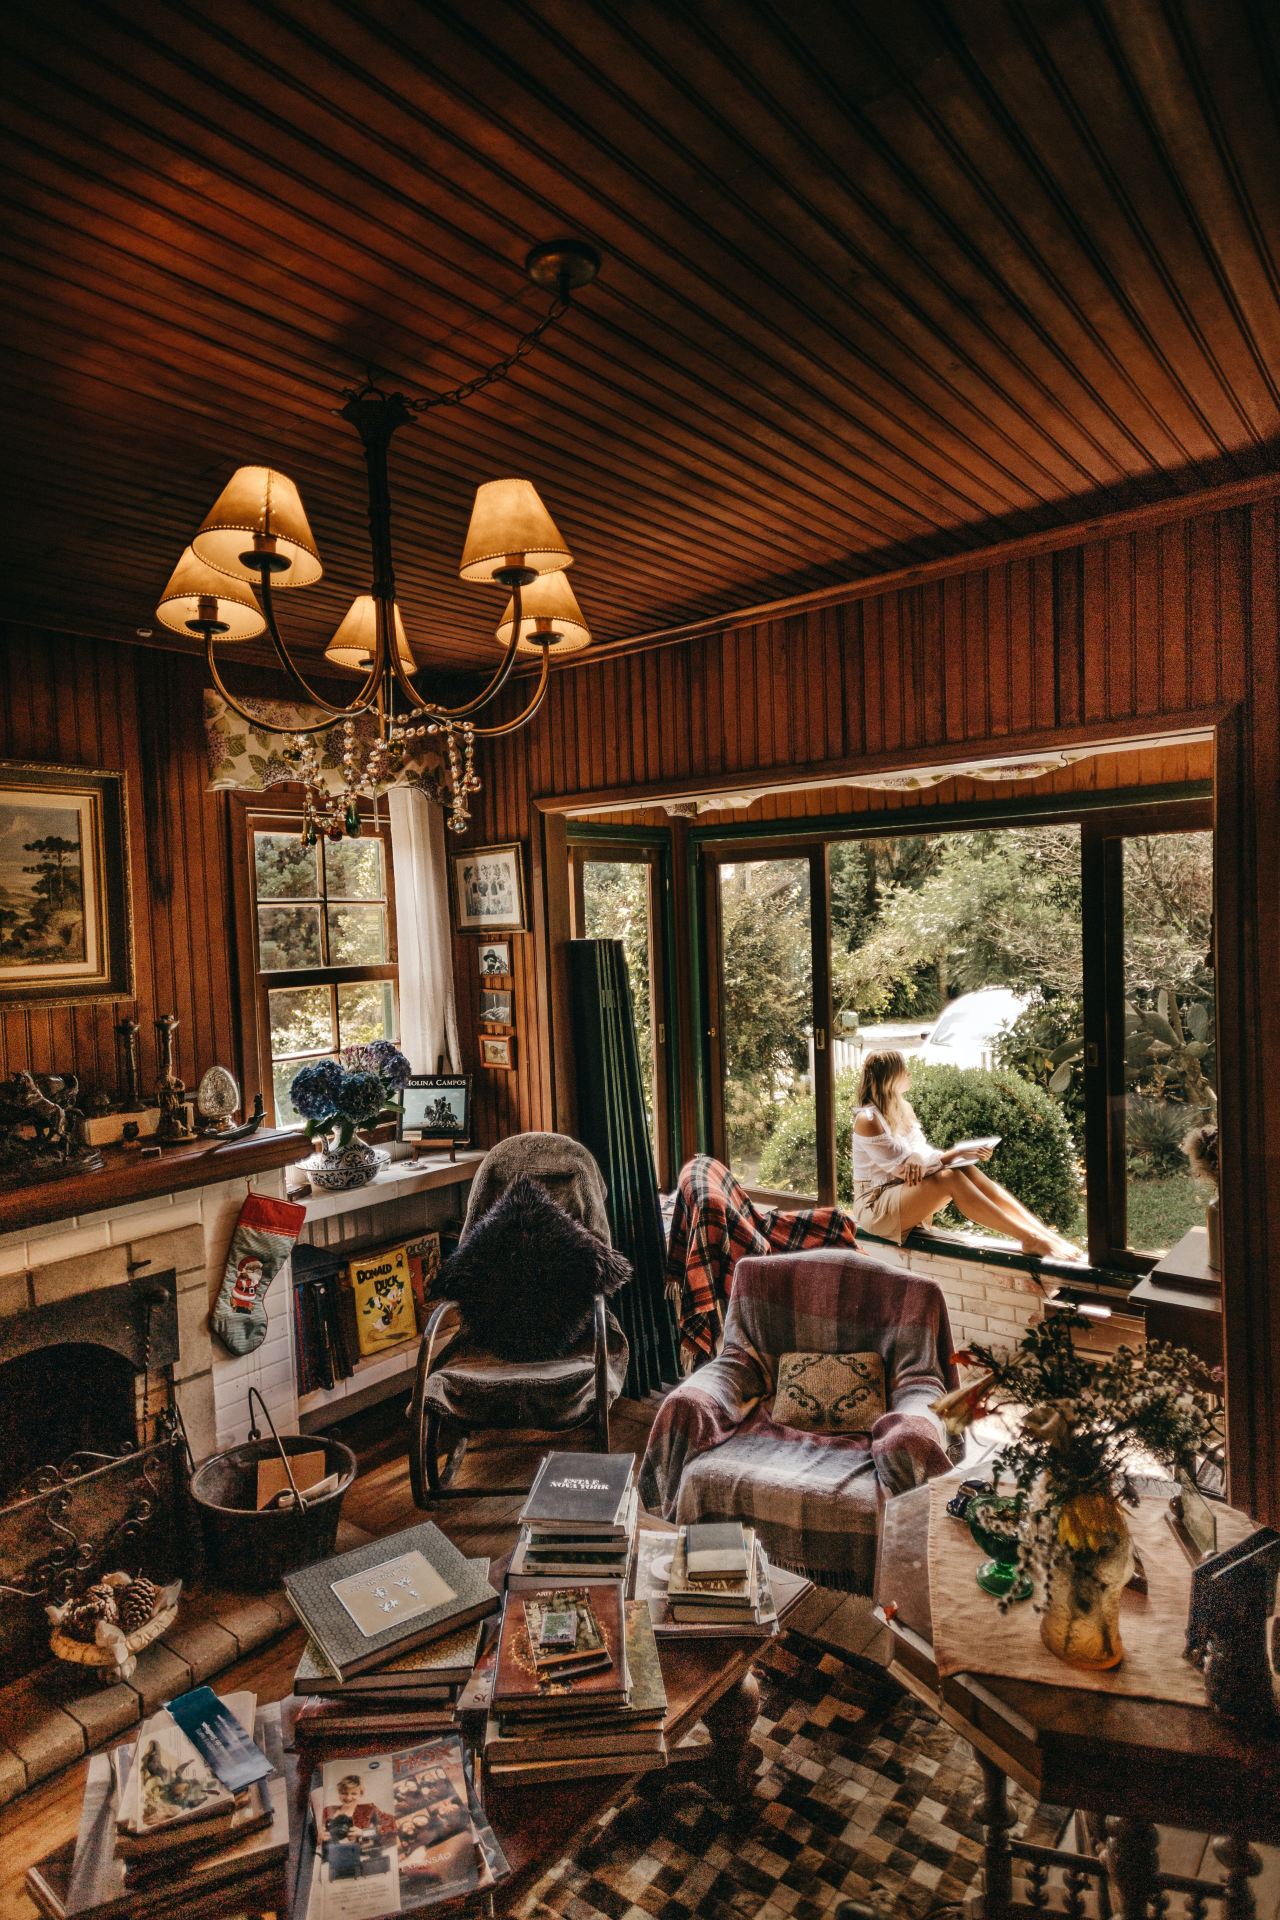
[(1070, 1457)]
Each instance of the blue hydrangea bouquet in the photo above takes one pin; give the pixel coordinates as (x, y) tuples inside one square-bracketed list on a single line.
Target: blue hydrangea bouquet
[(337, 1097)]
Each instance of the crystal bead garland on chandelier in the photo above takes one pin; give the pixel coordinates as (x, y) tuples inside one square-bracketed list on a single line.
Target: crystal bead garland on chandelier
[(255, 541)]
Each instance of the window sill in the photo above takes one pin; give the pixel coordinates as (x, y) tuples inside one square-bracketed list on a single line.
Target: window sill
[(1061, 1277)]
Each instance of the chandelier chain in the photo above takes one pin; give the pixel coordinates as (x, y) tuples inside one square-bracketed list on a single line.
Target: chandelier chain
[(500, 369)]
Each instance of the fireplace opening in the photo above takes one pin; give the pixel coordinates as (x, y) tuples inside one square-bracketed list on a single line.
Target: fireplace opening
[(62, 1400), (87, 1484)]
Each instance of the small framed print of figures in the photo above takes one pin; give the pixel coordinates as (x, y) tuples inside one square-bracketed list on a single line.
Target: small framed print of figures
[(436, 1106), (498, 1050), (64, 887), (495, 959), (488, 889), (495, 1006)]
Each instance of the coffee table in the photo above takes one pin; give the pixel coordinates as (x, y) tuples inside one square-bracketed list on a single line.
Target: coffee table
[(1128, 1762), (708, 1681)]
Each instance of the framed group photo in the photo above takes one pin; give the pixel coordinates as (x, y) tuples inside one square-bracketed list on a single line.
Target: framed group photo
[(65, 925), (488, 890)]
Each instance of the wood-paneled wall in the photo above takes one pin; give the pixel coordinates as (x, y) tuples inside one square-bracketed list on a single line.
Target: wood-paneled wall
[(1047, 648), (1174, 621), (78, 702)]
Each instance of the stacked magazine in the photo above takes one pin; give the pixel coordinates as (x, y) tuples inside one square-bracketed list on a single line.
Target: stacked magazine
[(394, 1832), (194, 1808)]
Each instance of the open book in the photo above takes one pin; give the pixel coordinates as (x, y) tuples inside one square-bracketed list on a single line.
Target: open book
[(965, 1152)]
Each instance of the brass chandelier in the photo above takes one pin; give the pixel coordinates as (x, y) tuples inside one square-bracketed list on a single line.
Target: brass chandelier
[(255, 541)]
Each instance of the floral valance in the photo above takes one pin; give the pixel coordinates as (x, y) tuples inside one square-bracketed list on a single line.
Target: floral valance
[(252, 758)]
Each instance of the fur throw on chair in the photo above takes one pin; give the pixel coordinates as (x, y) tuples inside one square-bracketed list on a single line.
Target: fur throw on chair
[(526, 1275), (562, 1165)]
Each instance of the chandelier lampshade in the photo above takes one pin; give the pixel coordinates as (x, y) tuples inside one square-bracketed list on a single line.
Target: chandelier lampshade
[(549, 616), (256, 538), (197, 596), (355, 642), (510, 528), (258, 517)]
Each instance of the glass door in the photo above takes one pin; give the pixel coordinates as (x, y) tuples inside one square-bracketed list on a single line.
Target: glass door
[(768, 1032), (618, 893)]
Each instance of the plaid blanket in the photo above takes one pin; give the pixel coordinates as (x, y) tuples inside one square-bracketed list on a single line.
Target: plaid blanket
[(716, 1453), (715, 1223)]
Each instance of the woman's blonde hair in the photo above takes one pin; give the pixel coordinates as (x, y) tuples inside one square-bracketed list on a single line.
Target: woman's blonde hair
[(881, 1073)]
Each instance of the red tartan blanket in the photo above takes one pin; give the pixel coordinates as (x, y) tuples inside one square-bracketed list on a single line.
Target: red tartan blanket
[(714, 1225)]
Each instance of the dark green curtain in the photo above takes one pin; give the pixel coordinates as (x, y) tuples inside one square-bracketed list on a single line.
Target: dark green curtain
[(612, 1122)]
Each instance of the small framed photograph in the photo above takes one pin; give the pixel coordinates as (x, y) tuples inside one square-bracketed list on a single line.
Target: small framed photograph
[(488, 889), (498, 1050), (495, 959), (436, 1106), (496, 1006)]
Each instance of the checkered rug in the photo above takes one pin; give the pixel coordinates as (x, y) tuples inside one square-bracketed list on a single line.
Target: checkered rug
[(862, 1794)]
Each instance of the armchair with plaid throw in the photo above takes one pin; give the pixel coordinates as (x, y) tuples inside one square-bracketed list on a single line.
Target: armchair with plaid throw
[(716, 1453)]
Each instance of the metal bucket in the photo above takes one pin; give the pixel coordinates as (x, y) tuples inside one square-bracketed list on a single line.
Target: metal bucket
[(250, 1549)]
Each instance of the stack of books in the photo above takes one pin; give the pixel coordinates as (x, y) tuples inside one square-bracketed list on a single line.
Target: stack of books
[(579, 1518), (195, 1808), (576, 1684), (711, 1580), (394, 1630)]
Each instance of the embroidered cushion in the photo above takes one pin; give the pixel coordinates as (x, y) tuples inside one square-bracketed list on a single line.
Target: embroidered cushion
[(829, 1392)]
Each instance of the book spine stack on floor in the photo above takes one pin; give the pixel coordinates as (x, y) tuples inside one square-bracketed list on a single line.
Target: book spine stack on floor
[(571, 1684)]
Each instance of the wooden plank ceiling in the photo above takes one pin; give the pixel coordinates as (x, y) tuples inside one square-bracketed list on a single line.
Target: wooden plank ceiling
[(881, 282)]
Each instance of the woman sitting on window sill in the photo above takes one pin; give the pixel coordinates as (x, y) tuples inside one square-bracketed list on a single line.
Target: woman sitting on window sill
[(900, 1181)]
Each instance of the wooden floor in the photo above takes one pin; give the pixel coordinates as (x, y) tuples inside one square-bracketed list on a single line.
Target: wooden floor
[(380, 1502)]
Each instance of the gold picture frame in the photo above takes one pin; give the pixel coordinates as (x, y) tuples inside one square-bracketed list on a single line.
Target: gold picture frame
[(66, 926)]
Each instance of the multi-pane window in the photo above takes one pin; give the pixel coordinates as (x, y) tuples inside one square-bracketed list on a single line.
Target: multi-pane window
[(323, 947)]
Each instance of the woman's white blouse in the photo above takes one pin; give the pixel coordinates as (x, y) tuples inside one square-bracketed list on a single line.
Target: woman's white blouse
[(878, 1158)]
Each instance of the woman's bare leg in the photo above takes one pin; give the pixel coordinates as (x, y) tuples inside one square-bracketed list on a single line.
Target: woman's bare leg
[(985, 1211), (1001, 1195)]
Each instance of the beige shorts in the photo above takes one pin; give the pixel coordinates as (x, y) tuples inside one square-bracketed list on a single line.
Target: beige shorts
[(880, 1212)]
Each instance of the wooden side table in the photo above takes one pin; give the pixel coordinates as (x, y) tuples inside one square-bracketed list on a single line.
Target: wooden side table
[(1127, 1762)]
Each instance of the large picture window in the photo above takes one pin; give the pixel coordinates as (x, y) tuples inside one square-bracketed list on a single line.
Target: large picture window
[(1048, 980), (323, 955)]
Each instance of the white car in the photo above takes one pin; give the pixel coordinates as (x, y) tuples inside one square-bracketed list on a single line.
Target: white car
[(966, 1031)]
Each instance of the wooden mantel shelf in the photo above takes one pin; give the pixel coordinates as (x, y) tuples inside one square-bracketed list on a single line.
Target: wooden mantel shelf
[(127, 1176)]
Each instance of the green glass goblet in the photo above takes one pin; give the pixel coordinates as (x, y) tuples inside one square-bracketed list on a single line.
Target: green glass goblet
[(993, 1522)]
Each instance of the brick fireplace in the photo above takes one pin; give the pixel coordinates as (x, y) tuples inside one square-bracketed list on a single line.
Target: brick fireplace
[(186, 1233)]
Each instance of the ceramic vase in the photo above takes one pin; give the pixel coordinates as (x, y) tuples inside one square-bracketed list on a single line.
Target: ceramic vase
[(1080, 1618), (339, 1169)]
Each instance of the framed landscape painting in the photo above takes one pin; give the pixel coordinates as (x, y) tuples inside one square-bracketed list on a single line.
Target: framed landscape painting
[(64, 886), (488, 889)]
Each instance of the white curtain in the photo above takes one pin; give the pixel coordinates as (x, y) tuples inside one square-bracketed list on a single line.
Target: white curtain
[(428, 1009)]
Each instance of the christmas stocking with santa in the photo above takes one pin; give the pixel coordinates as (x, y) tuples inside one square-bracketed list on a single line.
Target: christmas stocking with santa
[(263, 1237)]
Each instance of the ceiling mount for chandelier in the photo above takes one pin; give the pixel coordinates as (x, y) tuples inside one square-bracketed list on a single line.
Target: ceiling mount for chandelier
[(255, 541)]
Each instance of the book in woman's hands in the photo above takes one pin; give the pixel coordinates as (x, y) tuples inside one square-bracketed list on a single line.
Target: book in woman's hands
[(966, 1153)]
